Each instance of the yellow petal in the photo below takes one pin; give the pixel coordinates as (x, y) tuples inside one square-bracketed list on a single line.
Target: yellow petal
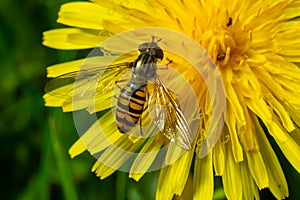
[(180, 171), (203, 185), (173, 153), (64, 68), (255, 58), (232, 182), (290, 85), (219, 159), (74, 93), (101, 170), (53, 101), (280, 111), (77, 148), (277, 183), (246, 80), (260, 108), (296, 135), (231, 129), (295, 58), (257, 169), (173, 178), (164, 187), (280, 66), (293, 112), (128, 11), (291, 150), (283, 30), (246, 133), (145, 158), (249, 187), (292, 11), (86, 65), (82, 14), (102, 134), (115, 156), (273, 86), (71, 38), (227, 76)]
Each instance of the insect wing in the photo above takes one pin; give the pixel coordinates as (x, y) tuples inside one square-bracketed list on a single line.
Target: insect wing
[(88, 83), (168, 116)]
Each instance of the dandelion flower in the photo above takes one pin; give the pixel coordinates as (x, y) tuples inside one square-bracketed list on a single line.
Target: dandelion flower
[(255, 46)]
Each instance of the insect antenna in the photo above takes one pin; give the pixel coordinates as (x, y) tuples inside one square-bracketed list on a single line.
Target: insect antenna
[(157, 41)]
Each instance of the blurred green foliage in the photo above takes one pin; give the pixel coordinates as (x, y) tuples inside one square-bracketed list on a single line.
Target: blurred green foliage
[(34, 140)]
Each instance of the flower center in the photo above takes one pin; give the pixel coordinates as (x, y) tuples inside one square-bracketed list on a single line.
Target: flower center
[(220, 45), (226, 42)]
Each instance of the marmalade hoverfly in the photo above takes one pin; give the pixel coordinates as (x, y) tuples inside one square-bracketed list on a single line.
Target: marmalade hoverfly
[(134, 98)]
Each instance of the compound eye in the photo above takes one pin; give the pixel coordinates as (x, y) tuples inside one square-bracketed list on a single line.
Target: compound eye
[(157, 52), (143, 48)]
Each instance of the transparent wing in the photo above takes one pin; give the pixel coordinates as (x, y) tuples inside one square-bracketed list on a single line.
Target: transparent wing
[(88, 83), (168, 116)]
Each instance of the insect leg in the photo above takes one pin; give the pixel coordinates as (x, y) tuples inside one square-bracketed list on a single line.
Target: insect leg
[(141, 125), (120, 81), (116, 83), (166, 66), (169, 61)]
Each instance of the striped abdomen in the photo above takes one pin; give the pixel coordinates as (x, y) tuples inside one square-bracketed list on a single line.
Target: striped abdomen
[(130, 106)]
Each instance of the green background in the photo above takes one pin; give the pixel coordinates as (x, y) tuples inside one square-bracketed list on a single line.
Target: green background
[(34, 140)]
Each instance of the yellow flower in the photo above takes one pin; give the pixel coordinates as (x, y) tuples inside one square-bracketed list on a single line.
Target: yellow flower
[(255, 46)]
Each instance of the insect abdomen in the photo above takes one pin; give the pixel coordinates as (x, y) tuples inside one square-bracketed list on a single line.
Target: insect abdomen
[(130, 107)]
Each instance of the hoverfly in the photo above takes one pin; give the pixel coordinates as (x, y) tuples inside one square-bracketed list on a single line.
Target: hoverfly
[(135, 97)]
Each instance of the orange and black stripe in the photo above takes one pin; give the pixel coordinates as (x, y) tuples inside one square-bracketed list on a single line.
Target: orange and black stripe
[(130, 106)]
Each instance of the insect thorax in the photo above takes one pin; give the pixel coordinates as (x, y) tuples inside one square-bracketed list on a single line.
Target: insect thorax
[(144, 68)]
